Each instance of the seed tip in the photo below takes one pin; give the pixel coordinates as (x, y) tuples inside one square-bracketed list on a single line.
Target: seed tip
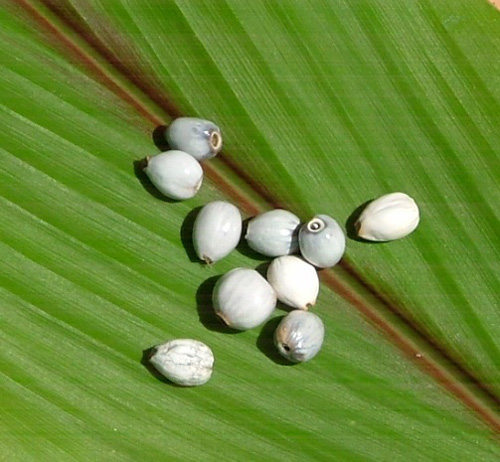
[(357, 226), (143, 163), (208, 260)]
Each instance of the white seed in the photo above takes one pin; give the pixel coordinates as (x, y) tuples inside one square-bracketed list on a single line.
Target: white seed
[(198, 137), (216, 231), (176, 174), (273, 233), (299, 336), (322, 241), (243, 298), (389, 217), (184, 361), (295, 281)]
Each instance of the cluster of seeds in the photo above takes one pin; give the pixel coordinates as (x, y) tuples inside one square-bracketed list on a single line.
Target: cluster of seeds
[(243, 298)]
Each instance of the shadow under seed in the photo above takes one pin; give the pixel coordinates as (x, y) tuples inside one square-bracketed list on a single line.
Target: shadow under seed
[(205, 307), (243, 246), (139, 166), (265, 342), (350, 224), (146, 356), (159, 138), (263, 267), (187, 235)]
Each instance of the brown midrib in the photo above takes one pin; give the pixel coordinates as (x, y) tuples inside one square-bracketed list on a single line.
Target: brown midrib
[(387, 315)]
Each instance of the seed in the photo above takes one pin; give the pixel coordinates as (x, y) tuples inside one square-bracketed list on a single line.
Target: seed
[(184, 361), (176, 174), (389, 217), (273, 233), (299, 336), (216, 231), (295, 281), (243, 298), (198, 137), (322, 241)]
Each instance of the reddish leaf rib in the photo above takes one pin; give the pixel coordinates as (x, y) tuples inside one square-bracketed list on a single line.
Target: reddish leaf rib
[(86, 59), (445, 376)]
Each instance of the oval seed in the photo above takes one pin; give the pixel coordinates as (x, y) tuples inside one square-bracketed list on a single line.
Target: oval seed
[(295, 281), (389, 217), (322, 241), (243, 299), (198, 137), (273, 233), (216, 231), (299, 336), (184, 361), (176, 174)]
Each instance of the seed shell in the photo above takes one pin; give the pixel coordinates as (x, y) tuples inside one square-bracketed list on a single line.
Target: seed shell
[(185, 362)]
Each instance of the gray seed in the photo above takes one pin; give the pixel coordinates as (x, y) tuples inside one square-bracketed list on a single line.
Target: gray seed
[(322, 241), (198, 137), (184, 361), (299, 336), (273, 233)]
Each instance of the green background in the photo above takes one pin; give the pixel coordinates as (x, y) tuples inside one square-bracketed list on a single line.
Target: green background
[(323, 106)]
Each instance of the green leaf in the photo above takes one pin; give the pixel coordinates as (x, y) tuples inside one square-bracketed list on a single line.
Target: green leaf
[(323, 105)]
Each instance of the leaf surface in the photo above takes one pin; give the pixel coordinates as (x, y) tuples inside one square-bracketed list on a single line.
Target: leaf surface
[(322, 108)]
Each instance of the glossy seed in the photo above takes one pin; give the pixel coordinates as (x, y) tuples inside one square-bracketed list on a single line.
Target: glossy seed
[(198, 137), (389, 217), (176, 174), (243, 299), (294, 280), (322, 241), (184, 361), (299, 336), (216, 231), (273, 233)]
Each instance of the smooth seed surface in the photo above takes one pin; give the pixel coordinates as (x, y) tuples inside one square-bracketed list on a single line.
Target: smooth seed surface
[(273, 233), (243, 299), (294, 280), (200, 138), (299, 336), (175, 174), (322, 241), (216, 231), (392, 216)]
